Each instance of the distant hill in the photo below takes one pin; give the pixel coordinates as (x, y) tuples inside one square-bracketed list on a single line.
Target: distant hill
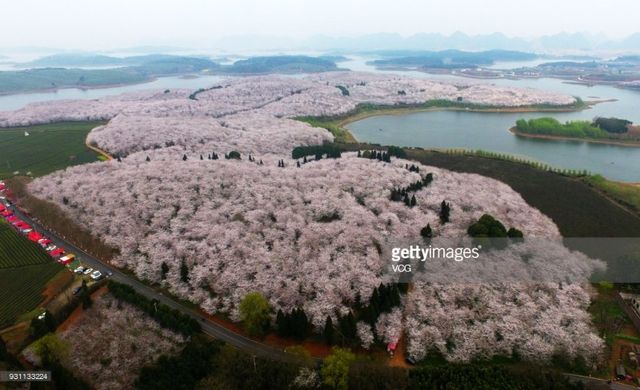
[(150, 66), (138, 69), (70, 60), (567, 42), (281, 64), (448, 58), (54, 78)]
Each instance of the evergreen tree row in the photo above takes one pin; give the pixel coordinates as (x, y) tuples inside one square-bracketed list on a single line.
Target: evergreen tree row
[(375, 155), (166, 316), (294, 324), (402, 194), (413, 168), (328, 149), (383, 299)]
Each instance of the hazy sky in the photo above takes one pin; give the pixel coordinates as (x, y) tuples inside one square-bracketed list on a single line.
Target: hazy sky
[(117, 23)]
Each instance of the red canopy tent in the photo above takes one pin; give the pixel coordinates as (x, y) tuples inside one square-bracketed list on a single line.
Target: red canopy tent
[(34, 236), (7, 213), (57, 252)]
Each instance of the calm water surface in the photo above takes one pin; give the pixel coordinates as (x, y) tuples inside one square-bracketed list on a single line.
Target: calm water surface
[(14, 102), (489, 131)]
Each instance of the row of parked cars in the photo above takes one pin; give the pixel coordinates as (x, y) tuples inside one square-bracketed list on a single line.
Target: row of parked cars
[(93, 274), (57, 253)]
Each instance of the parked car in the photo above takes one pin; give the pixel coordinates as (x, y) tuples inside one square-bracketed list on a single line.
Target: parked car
[(96, 275), (109, 274), (50, 248), (41, 316), (88, 271), (76, 290), (79, 270), (410, 359)]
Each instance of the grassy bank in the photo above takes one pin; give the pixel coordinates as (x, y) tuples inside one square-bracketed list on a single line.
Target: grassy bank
[(579, 209), (45, 149), (336, 124), (624, 193)]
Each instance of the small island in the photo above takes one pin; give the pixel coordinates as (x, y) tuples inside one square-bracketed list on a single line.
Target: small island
[(601, 130)]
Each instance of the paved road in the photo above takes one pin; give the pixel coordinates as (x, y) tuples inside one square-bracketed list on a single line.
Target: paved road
[(597, 384), (211, 328)]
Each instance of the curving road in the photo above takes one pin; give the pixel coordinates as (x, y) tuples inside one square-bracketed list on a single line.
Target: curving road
[(216, 330), (209, 327)]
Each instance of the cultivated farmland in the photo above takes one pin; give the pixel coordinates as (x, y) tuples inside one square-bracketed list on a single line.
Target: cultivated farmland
[(17, 251), (45, 149), (25, 270)]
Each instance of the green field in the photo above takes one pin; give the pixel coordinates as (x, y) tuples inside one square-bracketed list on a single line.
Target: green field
[(47, 148), (25, 270), (577, 208), (22, 289)]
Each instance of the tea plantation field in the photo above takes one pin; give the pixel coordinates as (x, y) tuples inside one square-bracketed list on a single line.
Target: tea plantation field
[(25, 270), (45, 149)]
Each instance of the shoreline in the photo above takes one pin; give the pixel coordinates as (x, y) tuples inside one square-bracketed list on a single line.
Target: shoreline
[(341, 122), (82, 88), (631, 144), (564, 79)]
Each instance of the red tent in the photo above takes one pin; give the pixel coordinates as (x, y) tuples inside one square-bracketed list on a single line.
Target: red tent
[(7, 213), (22, 225), (11, 218), (34, 236), (57, 252), (44, 242)]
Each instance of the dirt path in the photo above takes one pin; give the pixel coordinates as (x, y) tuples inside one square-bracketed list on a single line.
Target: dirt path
[(57, 286), (97, 150), (398, 357)]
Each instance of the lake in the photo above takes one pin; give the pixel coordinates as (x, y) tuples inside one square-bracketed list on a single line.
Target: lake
[(16, 101), (447, 129), (489, 131)]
